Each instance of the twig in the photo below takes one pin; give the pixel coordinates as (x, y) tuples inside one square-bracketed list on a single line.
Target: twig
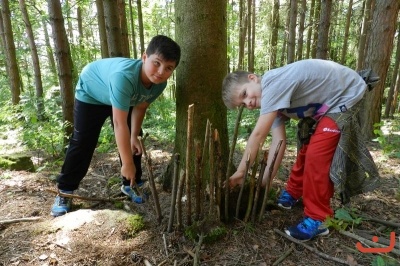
[(388, 223), (258, 187), (242, 186), (319, 253), (187, 163), (268, 181), (196, 260), (147, 263), (174, 192), (218, 189), (368, 242), (61, 246), (211, 166), (228, 171), (252, 184), (179, 199), (19, 220), (197, 178), (165, 244), (151, 180), (284, 255)]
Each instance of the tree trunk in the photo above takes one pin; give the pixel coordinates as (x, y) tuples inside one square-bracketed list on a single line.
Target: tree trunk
[(323, 32), (141, 29), (135, 55), (292, 31), (316, 28), (311, 27), (201, 85), (124, 29), (35, 60), (346, 32), (112, 28), (389, 101), (378, 58), (284, 44), (242, 34), (300, 40), (3, 44), (101, 21), (366, 24), (274, 34), (13, 71), (49, 53), (64, 64)]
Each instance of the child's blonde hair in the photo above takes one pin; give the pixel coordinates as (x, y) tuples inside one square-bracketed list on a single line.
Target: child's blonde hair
[(230, 84)]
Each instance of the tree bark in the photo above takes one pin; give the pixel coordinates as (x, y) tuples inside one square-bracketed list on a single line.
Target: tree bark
[(64, 64), (141, 29), (112, 28), (323, 32), (311, 28), (366, 24), (292, 32), (274, 34), (13, 71), (378, 58), (124, 29), (102, 29), (346, 32), (302, 19)]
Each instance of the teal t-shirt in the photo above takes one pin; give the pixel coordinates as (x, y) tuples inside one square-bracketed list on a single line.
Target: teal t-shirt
[(115, 82)]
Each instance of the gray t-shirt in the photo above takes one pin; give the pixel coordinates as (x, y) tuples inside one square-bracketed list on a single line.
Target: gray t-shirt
[(310, 88)]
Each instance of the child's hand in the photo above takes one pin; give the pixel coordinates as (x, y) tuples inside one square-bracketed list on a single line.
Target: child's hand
[(236, 179), (129, 171)]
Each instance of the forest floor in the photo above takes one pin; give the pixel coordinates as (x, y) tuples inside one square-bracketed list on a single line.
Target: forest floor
[(94, 233)]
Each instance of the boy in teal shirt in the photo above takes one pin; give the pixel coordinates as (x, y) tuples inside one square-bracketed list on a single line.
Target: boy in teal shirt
[(122, 89)]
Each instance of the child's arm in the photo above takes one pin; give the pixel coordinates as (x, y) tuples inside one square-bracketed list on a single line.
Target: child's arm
[(122, 137), (258, 136)]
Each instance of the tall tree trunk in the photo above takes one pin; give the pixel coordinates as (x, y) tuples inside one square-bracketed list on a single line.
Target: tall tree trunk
[(316, 28), (64, 64), (251, 29), (301, 29), (35, 60), (323, 32), (3, 44), (101, 21), (13, 71), (124, 29), (135, 54), (390, 96), (274, 34), (378, 58), (242, 34), (346, 32), (49, 53), (195, 22), (311, 28), (141, 29), (284, 44), (292, 31), (365, 28), (112, 28)]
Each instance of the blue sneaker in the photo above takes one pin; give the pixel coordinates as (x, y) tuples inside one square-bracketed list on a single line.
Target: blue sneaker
[(307, 229), (286, 201), (61, 205), (133, 194)]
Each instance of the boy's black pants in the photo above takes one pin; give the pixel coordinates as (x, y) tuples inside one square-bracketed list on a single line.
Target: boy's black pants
[(88, 121)]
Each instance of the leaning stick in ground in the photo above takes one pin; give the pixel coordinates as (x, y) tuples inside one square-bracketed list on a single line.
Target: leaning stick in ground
[(19, 220), (252, 185), (242, 186), (174, 192), (218, 160), (268, 181), (197, 179), (228, 171), (189, 144), (319, 253), (211, 166), (151, 180), (263, 164), (179, 200)]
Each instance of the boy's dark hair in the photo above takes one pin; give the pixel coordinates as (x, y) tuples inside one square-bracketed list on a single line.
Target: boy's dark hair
[(164, 46)]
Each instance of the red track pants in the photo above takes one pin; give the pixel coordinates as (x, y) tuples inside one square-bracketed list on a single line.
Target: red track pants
[(309, 177)]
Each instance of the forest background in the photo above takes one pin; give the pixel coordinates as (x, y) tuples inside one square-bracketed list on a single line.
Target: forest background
[(45, 44)]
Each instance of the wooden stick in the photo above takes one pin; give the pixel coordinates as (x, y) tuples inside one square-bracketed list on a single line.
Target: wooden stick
[(268, 181), (179, 200), (316, 251), (218, 189), (151, 180), (174, 192), (196, 259), (232, 150), (242, 186), (211, 158), (368, 242), (188, 156), (20, 220), (284, 255), (252, 187), (388, 223), (65, 195), (259, 183), (197, 179)]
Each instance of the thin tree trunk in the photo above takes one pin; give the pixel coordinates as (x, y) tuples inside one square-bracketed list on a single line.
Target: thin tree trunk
[(141, 29), (346, 32), (292, 32), (112, 28), (13, 71), (316, 29), (311, 27), (124, 29), (102, 29), (366, 24), (274, 34), (135, 55), (301, 29), (35, 60)]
